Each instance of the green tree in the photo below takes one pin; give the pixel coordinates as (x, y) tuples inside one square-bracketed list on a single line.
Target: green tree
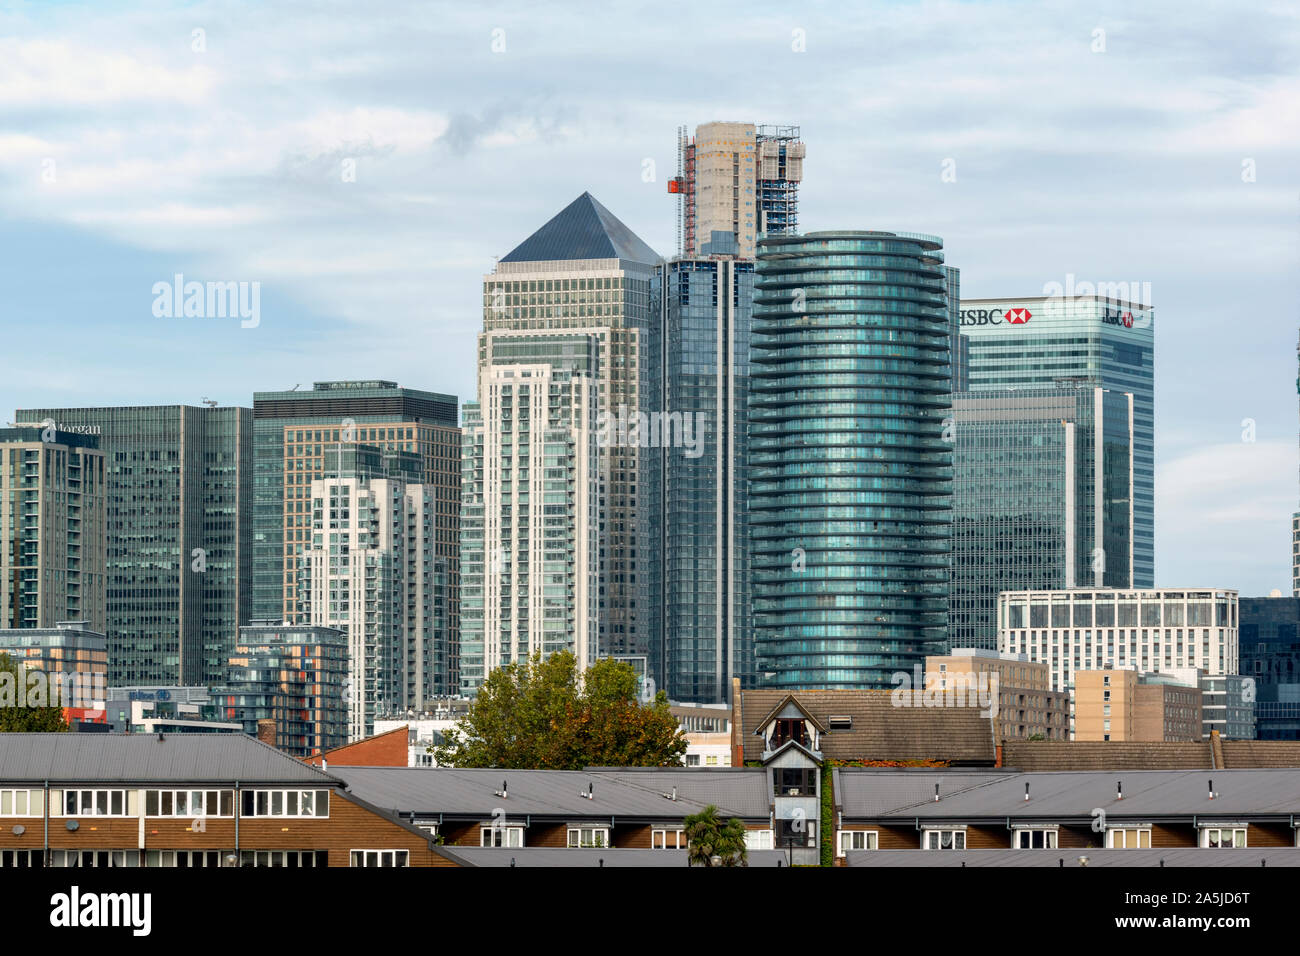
[(539, 714), (708, 838), (17, 695)]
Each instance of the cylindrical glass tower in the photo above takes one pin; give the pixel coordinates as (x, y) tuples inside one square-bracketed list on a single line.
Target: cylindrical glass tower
[(850, 473)]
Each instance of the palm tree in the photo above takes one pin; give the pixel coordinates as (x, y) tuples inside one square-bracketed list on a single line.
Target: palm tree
[(710, 842)]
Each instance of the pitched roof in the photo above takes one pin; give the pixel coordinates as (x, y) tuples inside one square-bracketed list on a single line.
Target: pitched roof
[(584, 229), (1105, 755), (969, 796), (1261, 753), (427, 791), (150, 758), (880, 731)]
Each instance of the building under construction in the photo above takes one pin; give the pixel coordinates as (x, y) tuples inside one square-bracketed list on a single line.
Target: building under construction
[(735, 182)]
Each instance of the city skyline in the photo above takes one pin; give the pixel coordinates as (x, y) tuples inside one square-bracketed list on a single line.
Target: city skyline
[(1057, 167)]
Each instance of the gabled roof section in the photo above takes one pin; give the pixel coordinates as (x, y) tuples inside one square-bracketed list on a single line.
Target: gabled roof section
[(150, 758), (780, 706), (584, 229), (769, 756)]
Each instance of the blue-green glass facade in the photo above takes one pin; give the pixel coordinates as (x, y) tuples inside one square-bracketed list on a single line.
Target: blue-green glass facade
[(850, 478), (1095, 340), (1042, 498), (707, 637)]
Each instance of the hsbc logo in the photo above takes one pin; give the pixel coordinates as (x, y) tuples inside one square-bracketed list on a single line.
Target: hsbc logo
[(995, 316), (1116, 317)]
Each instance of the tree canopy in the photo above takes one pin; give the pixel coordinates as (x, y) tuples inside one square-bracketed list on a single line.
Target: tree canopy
[(24, 701), (709, 838), (540, 714)]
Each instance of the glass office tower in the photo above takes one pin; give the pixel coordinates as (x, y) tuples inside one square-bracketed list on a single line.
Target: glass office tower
[(1270, 655), (1093, 340), (704, 575), (851, 480), (1042, 498), (179, 530)]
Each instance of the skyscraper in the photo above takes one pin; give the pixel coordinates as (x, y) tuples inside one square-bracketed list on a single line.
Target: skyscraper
[(850, 477), (530, 522), (583, 278), (1295, 518), (178, 483), (1086, 339), (703, 583), (52, 528), (737, 180), (293, 428), (370, 571), (1042, 498)]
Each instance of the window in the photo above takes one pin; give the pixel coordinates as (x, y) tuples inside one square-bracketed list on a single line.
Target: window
[(94, 858), (1223, 837), (282, 803), (692, 760), (189, 803), (588, 836), (944, 840), (667, 839), (501, 836), (187, 859), (379, 858), (758, 839), (1129, 838), (94, 803), (858, 840), (22, 803), (22, 859), (290, 859), (794, 783), (1027, 838)]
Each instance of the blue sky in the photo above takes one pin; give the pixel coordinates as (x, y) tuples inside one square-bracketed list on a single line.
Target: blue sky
[(133, 148)]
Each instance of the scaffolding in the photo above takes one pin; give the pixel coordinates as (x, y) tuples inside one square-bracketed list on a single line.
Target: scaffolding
[(779, 171)]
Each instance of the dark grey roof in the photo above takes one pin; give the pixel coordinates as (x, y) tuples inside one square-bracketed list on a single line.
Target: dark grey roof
[(562, 857), (556, 793), (584, 229), (1173, 856), (875, 794), (735, 791), (144, 758)]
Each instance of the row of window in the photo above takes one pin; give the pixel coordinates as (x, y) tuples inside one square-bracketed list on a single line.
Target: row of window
[(186, 859), (166, 803), (1044, 838)]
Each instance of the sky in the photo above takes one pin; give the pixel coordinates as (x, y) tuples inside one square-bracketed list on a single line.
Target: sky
[(365, 164)]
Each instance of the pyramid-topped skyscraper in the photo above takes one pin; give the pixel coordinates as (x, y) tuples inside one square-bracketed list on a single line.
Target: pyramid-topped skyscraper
[(558, 534)]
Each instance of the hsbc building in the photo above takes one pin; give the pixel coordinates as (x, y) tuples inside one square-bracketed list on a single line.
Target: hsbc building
[(1072, 341)]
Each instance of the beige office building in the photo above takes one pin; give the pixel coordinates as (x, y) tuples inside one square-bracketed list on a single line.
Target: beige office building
[(1027, 706), (1121, 704)]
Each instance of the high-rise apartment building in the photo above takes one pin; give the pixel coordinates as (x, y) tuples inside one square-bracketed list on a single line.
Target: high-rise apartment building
[(850, 476), (178, 487), (530, 522), (585, 290), (703, 582), (295, 675), (737, 181), (1091, 340), (52, 528), (292, 430), (1042, 498), (1024, 706), (370, 570), (1150, 630), (1123, 704)]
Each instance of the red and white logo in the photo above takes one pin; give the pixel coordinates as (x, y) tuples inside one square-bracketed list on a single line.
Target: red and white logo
[(1019, 316), (1127, 319)]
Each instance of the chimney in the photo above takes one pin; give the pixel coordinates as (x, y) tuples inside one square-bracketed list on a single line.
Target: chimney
[(737, 735), (266, 731)]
